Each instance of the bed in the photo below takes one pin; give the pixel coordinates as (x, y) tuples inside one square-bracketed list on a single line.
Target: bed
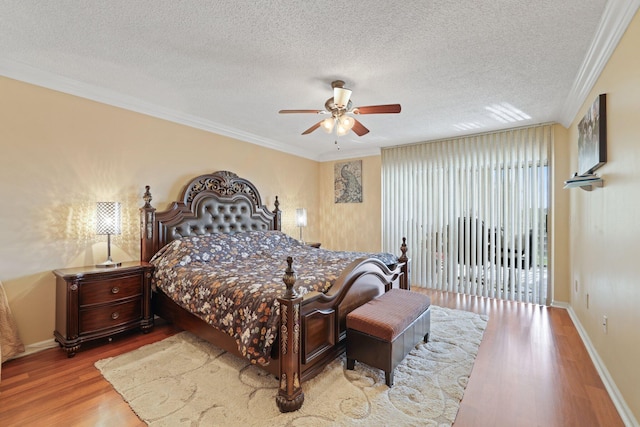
[(224, 271)]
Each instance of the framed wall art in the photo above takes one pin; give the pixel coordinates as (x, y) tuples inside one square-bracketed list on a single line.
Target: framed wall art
[(592, 137), (348, 182)]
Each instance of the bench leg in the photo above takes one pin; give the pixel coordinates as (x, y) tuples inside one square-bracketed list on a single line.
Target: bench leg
[(351, 364), (388, 378)]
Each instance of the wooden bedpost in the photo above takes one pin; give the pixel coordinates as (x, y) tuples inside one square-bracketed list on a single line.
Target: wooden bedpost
[(405, 282), (290, 396), (147, 216), (277, 218)]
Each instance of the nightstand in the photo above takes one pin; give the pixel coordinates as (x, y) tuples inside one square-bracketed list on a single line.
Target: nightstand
[(94, 303)]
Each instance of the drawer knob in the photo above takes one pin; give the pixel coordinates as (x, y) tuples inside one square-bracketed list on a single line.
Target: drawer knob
[(115, 290), (115, 315)]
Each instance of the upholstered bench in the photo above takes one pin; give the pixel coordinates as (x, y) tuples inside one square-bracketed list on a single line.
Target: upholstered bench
[(383, 331)]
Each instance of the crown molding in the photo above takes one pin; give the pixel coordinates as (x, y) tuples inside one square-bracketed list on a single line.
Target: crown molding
[(615, 20), (348, 154), (35, 76)]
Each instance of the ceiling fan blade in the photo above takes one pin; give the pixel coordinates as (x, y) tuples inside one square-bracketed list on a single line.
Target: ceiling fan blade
[(359, 128), (312, 128), (302, 111), (377, 109)]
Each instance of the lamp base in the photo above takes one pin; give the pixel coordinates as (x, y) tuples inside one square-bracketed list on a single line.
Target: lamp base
[(109, 264)]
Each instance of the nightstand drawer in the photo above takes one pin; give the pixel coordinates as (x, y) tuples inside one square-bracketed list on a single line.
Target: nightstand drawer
[(109, 316), (106, 291)]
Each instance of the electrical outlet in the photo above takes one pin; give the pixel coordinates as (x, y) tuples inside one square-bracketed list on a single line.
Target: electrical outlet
[(605, 324)]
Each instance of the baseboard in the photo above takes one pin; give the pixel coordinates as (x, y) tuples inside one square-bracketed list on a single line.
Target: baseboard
[(625, 412), (37, 347)]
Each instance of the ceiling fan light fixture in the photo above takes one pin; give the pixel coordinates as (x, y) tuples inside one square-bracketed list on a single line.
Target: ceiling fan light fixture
[(327, 124), (347, 122), (341, 130), (341, 96), (340, 108)]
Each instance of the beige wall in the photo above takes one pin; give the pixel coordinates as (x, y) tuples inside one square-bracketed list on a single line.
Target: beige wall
[(558, 220), (605, 226), (352, 226), (60, 154)]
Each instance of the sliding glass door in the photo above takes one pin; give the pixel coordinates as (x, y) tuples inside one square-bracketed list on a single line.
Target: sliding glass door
[(474, 211)]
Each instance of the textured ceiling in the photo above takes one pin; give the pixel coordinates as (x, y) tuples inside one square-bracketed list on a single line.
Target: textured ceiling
[(228, 66)]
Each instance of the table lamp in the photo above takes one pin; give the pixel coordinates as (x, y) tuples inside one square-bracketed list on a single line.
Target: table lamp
[(301, 220), (108, 221)]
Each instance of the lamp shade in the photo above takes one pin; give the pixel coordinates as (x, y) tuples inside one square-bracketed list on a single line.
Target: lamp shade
[(347, 121), (301, 217), (327, 124), (108, 218), (341, 96), (341, 130)]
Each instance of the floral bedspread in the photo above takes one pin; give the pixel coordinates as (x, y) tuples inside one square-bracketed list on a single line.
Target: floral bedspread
[(232, 281)]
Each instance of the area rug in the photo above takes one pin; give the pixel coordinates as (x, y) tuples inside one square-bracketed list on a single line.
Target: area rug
[(184, 381)]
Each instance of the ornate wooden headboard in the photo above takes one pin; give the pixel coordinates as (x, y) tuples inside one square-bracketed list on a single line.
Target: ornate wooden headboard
[(220, 202)]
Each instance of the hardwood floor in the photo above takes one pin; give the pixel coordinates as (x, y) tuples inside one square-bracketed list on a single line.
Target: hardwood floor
[(532, 369), (50, 389)]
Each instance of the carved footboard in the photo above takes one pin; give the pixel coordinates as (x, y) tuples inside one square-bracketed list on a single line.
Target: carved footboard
[(313, 328)]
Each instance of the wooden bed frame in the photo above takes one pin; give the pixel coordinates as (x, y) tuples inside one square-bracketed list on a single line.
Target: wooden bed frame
[(312, 328)]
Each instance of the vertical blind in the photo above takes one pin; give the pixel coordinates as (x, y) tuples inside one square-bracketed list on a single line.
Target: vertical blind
[(474, 211)]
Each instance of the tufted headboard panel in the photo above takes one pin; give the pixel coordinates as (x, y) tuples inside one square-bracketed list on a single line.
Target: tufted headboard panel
[(216, 203), (218, 216)]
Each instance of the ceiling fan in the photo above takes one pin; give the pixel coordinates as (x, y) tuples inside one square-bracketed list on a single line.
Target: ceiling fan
[(340, 108)]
